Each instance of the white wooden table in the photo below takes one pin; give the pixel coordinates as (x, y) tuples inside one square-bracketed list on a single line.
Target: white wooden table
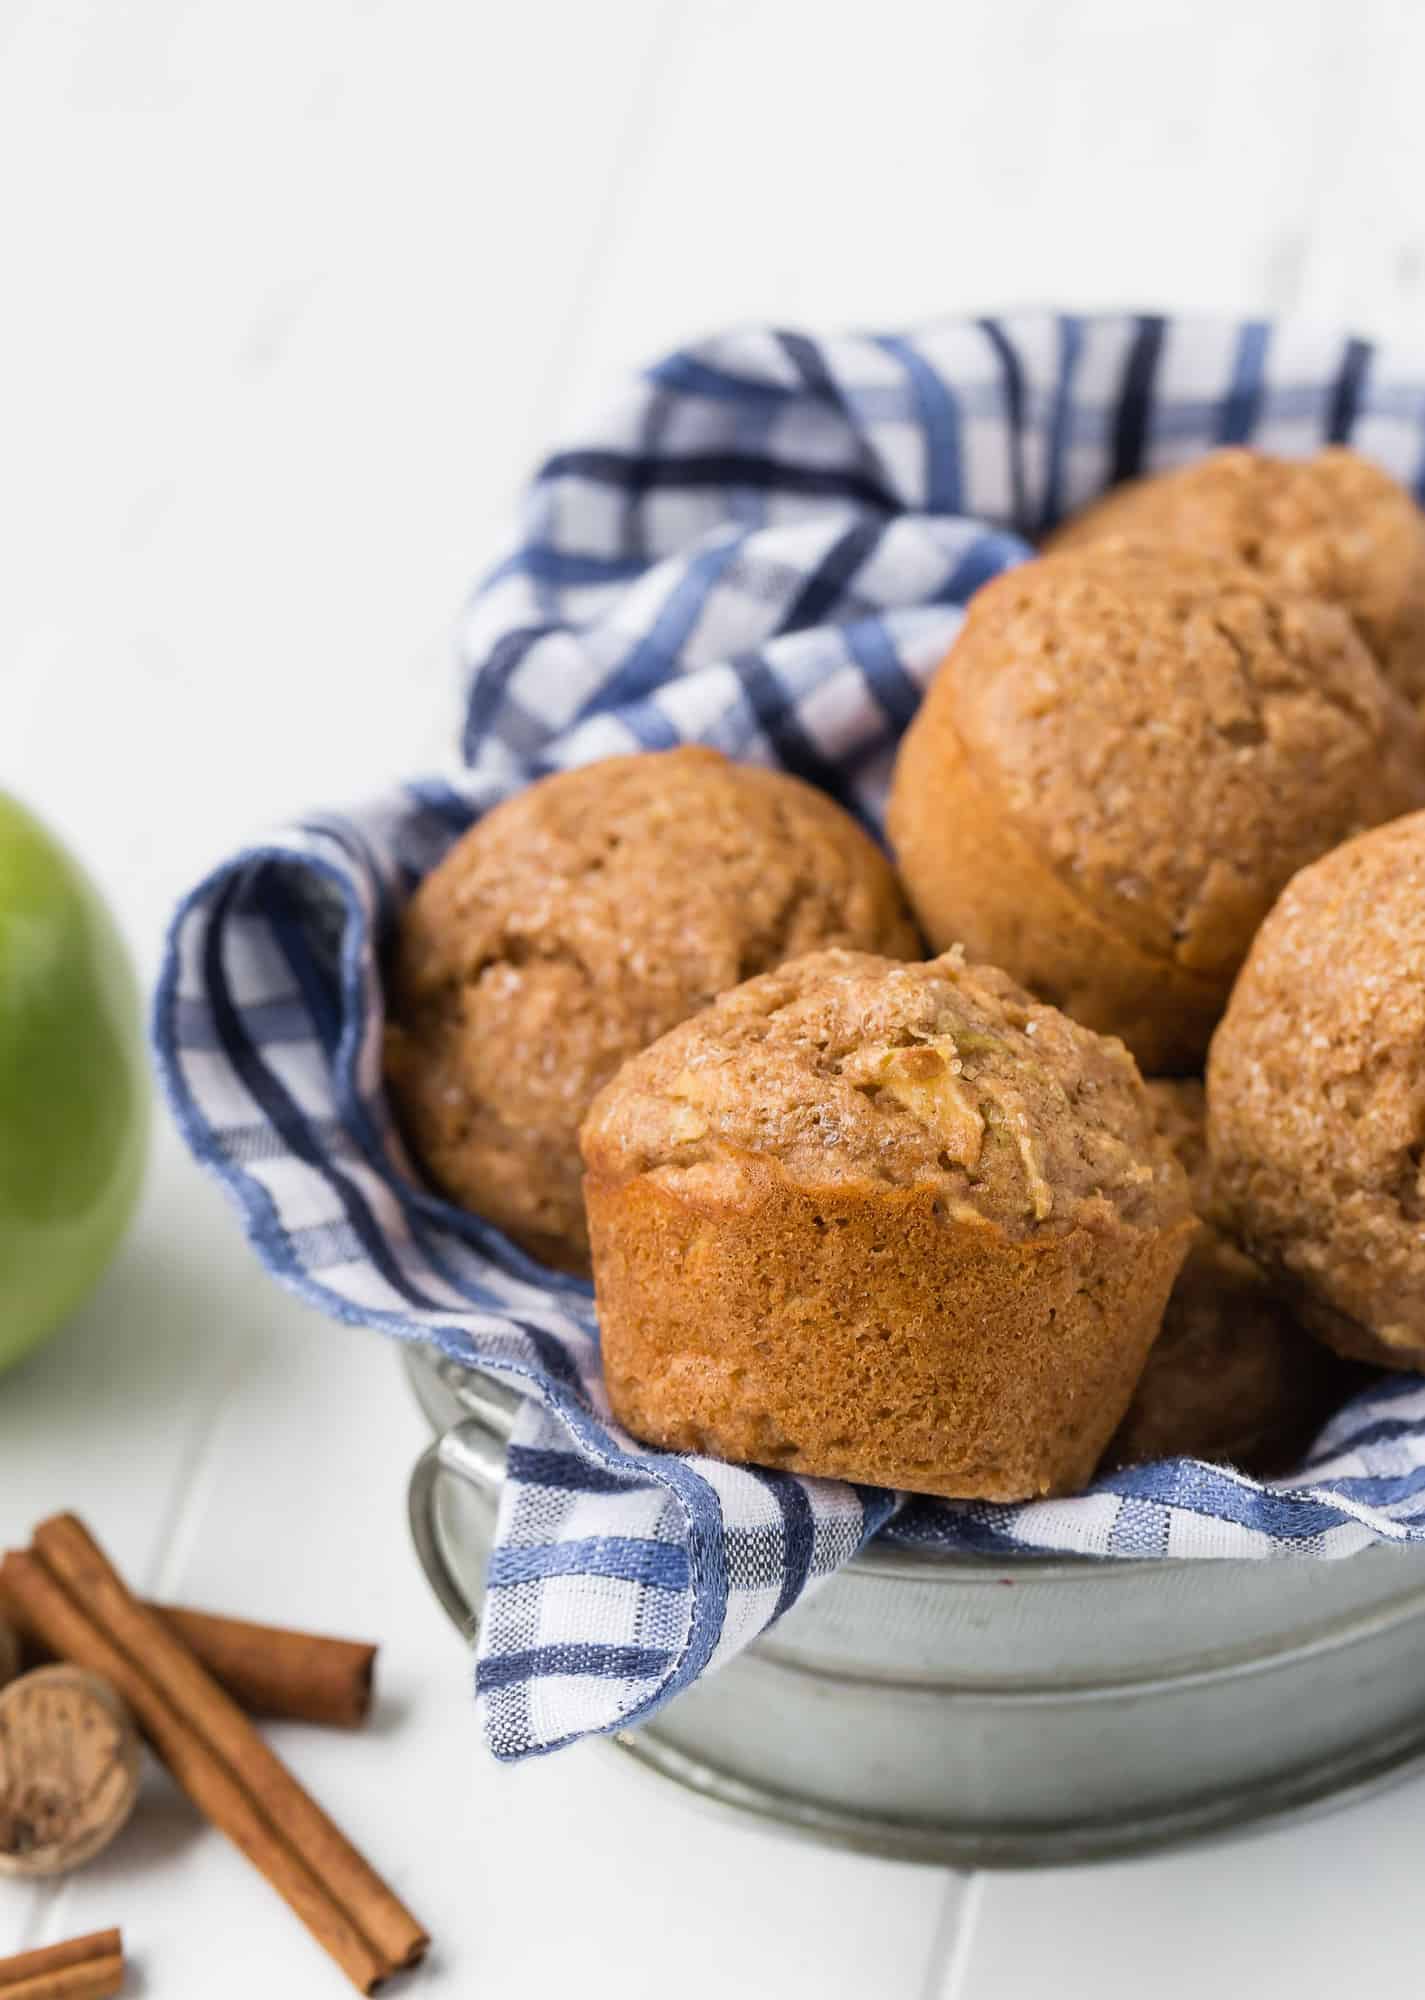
[(293, 295)]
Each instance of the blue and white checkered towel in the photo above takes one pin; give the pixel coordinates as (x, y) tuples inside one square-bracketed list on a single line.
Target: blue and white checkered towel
[(766, 546)]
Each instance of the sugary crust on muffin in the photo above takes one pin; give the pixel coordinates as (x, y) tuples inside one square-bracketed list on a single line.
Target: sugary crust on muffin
[(1125, 756), (578, 921), (1333, 526), (1176, 737), (976, 879), (1316, 1095), (844, 1070)]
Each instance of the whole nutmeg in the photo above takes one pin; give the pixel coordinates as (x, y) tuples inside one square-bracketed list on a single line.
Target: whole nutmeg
[(69, 1770)]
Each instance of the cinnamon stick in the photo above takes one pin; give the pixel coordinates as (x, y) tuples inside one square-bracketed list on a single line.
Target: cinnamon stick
[(73, 1596), (271, 1670), (267, 1669), (83, 1968)]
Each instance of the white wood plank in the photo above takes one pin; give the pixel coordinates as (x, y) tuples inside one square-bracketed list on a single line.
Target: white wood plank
[(109, 1416), (113, 1417), (1364, 262), (1321, 1909), (284, 286), (826, 166)]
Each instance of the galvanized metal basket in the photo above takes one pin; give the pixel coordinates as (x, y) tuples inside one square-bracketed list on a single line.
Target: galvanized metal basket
[(965, 1711)]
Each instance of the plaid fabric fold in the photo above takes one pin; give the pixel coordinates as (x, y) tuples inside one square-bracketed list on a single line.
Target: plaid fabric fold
[(767, 545)]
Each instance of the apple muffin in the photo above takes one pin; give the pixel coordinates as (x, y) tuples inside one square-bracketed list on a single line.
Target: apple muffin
[(574, 924), (893, 1223), (1316, 1096), (1126, 755), (1232, 1377), (1333, 526)]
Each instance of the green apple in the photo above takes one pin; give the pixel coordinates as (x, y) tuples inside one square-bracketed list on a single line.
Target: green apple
[(73, 1083)]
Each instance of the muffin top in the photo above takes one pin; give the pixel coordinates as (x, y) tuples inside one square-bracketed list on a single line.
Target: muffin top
[(579, 920), (1316, 1084), (1333, 526), (848, 1071), (1176, 736)]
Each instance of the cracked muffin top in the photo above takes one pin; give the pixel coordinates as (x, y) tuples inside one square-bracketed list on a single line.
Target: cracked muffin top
[(1175, 736), (1333, 526), (1316, 1095), (846, 1070), (578, 921)]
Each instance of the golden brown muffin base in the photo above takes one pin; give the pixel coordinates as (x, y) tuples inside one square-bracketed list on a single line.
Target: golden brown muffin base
[(975, 879), (870, 1336)]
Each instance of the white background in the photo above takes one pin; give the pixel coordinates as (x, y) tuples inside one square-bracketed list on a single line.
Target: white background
[(294, 294)]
